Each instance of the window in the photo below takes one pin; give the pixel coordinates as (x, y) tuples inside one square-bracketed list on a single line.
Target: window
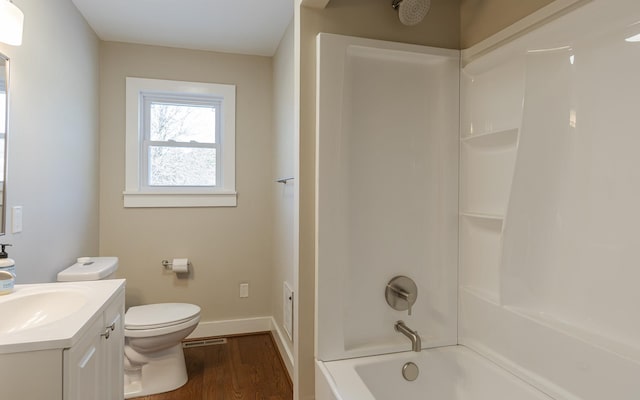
[(180, 144)]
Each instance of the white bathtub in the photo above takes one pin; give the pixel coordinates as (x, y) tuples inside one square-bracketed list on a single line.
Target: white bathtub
[(446, 373)]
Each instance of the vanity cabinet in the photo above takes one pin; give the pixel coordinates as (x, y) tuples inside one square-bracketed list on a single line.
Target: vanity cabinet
[(93, 368), (78, 357)]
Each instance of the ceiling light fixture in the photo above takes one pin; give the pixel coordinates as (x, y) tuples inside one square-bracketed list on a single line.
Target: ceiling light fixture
[(11, 21)]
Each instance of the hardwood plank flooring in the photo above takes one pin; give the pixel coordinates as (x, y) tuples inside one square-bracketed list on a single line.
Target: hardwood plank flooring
[(246, 367)]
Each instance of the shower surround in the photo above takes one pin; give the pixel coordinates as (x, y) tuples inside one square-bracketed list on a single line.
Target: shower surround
[(549, 132), (550, 179), (387, 193)]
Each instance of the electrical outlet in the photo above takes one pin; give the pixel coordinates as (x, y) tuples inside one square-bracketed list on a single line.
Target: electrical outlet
[(244, 290)]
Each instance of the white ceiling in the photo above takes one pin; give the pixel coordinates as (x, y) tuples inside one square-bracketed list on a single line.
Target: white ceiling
[(231, 26)]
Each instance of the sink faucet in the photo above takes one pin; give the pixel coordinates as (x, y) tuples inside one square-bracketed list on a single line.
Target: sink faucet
[(416, 343)]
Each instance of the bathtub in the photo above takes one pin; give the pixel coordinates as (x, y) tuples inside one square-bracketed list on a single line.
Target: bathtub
[(446, 373)]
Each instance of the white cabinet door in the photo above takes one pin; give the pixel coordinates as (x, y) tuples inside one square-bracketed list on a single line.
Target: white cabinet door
[(83, 369), (93, 368), (113, 351)]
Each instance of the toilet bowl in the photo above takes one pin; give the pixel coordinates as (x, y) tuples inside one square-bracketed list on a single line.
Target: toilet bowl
[(153, 356), (154, 361)]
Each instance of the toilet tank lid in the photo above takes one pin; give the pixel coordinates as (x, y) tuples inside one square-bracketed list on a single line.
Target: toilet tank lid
[(89, 269)]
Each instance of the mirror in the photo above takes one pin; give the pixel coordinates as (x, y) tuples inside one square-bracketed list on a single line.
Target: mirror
[(4, 113)]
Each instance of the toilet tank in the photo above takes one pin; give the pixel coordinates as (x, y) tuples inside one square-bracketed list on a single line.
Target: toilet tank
[(89, 269)]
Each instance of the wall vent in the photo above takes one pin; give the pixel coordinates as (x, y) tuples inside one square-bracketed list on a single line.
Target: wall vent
[(287, 312), (204, 342)]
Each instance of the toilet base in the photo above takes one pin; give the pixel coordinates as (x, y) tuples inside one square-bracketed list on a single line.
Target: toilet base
[(163, 371)]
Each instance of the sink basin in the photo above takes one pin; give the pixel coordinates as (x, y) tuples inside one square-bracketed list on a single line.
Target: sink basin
[(52, 316), (24, 311)]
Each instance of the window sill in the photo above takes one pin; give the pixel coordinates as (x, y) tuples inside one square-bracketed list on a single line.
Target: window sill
[(144, 199)]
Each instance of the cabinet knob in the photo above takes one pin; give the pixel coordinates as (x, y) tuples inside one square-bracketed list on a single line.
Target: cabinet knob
[(107, 333), (108, 330)]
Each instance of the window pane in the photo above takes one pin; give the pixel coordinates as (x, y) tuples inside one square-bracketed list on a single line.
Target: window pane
[(182, 166), (182, 123)]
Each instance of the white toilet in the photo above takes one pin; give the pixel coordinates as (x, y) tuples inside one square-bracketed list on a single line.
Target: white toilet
[(153, 357)]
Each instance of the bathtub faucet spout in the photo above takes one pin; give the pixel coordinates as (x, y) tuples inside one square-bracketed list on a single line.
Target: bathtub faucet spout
[(416, 343)]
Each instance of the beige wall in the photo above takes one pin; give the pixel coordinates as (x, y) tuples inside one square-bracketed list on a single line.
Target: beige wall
[(377, 20), (480, 19), (227, 246), (53, 140), (283, 166), (363, 18)]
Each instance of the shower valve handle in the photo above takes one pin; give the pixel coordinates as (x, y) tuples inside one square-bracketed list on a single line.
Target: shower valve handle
[(401, 293)]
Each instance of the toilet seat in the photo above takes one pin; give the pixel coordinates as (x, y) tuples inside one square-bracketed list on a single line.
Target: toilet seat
[(157, 316)]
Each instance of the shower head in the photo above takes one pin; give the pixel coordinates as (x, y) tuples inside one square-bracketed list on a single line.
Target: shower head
[(411, 12)]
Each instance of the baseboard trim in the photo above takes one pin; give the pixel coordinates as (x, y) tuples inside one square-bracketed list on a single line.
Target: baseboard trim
[(283, 348), (247, 326), (231, 327)]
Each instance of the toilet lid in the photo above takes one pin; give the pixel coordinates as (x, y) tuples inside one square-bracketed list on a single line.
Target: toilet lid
[(158, 315)]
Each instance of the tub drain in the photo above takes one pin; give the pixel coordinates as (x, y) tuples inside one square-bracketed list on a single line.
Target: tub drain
[(410, 371)]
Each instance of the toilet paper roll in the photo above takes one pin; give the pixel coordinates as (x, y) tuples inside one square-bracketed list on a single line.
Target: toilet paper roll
[(180, 265)]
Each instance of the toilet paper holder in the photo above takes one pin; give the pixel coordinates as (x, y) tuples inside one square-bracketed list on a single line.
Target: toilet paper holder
[(168, 264)]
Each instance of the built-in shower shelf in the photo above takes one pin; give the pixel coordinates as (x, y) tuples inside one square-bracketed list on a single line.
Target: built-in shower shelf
[(487, 162), (487, 165), (493, 140), (480, 253), (493, 217)]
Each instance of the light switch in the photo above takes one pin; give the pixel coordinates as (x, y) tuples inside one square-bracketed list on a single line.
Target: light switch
[(16, 219)]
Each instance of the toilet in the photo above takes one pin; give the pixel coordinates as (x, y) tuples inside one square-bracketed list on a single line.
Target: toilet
[(153, 356)]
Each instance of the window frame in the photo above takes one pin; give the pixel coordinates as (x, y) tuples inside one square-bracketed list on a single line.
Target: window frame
[(183, 100), (137, 191)]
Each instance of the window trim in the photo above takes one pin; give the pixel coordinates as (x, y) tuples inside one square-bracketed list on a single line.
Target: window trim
[(136, 194)]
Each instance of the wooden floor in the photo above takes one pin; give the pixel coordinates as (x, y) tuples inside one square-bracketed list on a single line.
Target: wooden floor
[(247, 367)]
